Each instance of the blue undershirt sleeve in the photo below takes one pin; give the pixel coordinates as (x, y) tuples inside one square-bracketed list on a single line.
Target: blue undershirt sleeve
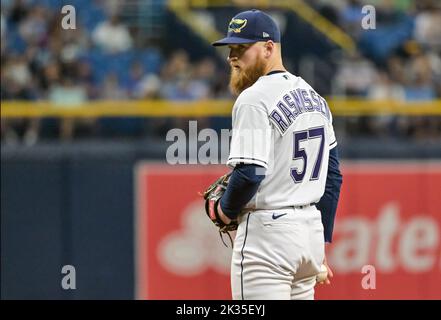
[(328, 203), (242, 187)]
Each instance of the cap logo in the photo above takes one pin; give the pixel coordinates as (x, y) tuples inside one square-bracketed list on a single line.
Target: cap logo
[(265, 35), (236, 25)]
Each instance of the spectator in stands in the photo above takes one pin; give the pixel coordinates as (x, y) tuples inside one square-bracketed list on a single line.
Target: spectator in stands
[(68, 94), (140, 85), (112, 6), (18, 78), (17, 82), (351, 16), (435, 64), (355, 75), (396, 69), (135, 76), (49, 75), (75, 44), (112, 36), (428, 28), (202, 80), (420, 85), (149, 87), (175, 75), (84, 77), (383, 88), (34, 29), (112, 90)]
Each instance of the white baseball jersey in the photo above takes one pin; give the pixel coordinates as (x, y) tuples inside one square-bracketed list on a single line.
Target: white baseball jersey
[(282, 124)]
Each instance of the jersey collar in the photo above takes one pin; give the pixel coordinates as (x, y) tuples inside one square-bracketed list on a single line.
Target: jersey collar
[(274, 72)]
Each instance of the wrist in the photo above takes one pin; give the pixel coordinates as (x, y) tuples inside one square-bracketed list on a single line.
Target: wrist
[(222, 215)]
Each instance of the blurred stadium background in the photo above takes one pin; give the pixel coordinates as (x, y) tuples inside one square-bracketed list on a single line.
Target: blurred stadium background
[(84, 118)]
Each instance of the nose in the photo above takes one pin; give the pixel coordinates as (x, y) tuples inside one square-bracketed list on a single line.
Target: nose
[(231, 56)]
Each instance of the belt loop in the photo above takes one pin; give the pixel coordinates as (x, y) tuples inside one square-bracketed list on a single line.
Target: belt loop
[(304, 206)]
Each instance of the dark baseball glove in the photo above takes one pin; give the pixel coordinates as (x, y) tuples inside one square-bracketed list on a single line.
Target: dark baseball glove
[(212, 196)]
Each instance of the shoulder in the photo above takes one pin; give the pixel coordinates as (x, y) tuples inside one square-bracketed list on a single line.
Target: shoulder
[(303, 84), (249, 96), (250, 99)]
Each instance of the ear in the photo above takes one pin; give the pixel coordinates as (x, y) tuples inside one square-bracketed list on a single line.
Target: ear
[(269, 47)]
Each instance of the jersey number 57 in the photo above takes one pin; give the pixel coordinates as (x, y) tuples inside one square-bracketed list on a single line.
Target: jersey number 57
[(300, 153)]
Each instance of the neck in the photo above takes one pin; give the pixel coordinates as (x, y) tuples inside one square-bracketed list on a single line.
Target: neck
[(274, 66)]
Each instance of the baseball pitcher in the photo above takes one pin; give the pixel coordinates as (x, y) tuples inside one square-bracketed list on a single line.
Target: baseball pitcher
[(283, 191)]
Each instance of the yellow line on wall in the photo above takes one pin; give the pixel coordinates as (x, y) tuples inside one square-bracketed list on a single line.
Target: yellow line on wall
[(208, 108)]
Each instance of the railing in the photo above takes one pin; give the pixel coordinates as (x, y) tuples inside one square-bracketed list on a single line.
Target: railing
[(206, 108)]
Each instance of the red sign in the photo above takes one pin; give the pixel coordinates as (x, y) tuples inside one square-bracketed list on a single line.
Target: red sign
[(389, 217), (386, 238)]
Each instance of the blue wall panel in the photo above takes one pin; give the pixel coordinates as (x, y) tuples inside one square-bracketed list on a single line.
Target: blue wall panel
[(31, 230)]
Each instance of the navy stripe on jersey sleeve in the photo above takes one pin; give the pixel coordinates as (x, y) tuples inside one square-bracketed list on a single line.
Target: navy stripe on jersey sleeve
[(333, 144), (242, 187), (328, 203)]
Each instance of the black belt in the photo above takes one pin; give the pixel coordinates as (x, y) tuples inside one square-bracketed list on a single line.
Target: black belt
[(304, 206), (291, 207)]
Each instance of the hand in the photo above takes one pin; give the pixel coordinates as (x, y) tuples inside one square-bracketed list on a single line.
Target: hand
[(330, 273), (222, 215)]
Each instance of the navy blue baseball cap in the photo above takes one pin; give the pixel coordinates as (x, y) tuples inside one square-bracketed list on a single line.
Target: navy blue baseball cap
[(249, 27)]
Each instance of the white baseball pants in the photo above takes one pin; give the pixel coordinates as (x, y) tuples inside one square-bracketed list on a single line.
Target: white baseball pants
[(277, 254)]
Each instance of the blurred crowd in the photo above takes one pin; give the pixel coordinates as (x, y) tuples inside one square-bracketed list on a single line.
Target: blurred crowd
[(99, 59), (399, 60), (102, 59)]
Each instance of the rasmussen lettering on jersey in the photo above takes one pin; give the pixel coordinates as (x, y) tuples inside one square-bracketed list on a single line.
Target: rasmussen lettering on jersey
[(295, 103)]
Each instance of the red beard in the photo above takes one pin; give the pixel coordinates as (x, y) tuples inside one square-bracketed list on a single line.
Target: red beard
[(241, 79)]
